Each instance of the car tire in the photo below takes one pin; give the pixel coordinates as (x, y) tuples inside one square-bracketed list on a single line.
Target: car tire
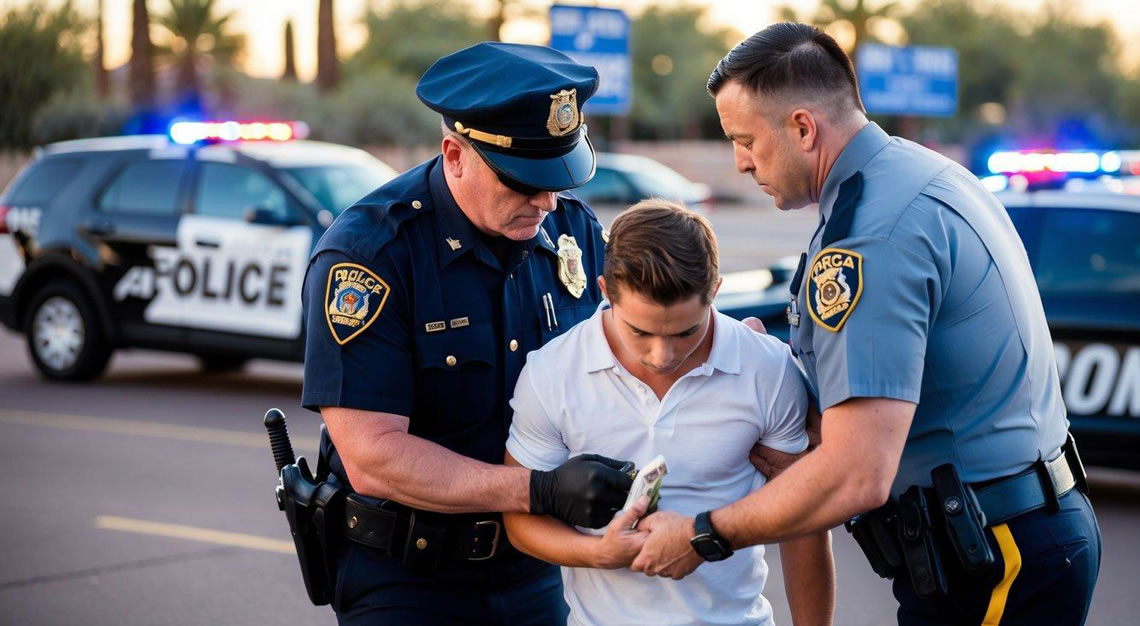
[(64, 334), (222, 364)]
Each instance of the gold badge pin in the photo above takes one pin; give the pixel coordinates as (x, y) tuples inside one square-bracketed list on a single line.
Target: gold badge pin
[(564, 116), (435, 327), (454, 243), (460, 322), (570, 270)]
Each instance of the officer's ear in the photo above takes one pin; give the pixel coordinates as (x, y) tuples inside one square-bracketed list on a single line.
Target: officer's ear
[(803, 124), (452, 149)]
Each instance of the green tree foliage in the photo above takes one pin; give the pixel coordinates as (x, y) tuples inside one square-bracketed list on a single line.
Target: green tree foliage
[(40, 56), (672, 59), (858, 14), (409, 35), (1053, 74), (198, 38)]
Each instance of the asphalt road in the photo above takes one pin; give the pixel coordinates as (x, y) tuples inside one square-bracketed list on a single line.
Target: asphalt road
[(147, 496)]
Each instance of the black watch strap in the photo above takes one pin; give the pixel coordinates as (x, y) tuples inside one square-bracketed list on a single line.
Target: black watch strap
[(707, 543)]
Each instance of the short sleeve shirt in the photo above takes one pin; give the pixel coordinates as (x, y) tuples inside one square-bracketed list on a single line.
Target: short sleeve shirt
[(408, 311), (574, 397), (921, 291)]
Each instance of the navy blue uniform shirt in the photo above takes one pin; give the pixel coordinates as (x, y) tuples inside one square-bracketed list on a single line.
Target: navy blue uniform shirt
[(408, 311)]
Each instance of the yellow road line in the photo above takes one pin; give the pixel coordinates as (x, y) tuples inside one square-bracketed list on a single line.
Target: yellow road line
[(193, 533), (151, 429)]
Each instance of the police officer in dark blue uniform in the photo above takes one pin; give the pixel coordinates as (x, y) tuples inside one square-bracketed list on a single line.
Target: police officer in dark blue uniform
[(422, 301), (916, 317)]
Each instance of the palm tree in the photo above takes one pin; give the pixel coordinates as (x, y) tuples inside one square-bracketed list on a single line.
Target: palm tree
[(140, 78), (290, 72), (101, 83), (328, 66), (198, 37)]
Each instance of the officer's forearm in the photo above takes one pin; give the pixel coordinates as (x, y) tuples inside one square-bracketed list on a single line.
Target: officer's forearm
[(809, 578), (425, 475), (383, 461), (849, 473)]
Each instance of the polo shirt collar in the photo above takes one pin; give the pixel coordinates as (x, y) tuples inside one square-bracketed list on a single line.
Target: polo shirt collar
[(859, 151), (724, 356)]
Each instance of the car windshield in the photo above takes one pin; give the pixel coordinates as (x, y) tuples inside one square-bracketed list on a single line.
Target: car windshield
[(336, 187)]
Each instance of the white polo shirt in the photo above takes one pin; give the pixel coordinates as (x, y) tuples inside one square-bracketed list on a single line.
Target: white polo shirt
[(573, 397)]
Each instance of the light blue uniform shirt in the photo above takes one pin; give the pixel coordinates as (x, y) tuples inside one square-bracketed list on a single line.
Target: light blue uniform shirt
[(918, 288)]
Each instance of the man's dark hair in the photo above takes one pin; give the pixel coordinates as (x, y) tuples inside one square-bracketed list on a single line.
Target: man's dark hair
[(788, 56), (661, 250)]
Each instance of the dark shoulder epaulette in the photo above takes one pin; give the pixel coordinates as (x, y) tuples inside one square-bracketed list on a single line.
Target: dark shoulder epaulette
[(843, 211)]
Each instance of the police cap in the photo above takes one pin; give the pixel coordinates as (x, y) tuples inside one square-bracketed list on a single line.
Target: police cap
[(521, 107)]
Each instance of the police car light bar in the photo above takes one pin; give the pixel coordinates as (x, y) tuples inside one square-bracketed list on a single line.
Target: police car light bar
[(188, 133), (1081, 162)]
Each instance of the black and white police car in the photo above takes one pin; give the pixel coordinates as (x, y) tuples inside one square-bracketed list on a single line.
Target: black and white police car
[(1085, 253), (196, 242)]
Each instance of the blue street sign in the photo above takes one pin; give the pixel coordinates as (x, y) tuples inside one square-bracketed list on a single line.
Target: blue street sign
[(598, 37), (915, 80)]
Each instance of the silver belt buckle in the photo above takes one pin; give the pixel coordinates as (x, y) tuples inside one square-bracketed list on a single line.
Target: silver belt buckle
[(494, 541)]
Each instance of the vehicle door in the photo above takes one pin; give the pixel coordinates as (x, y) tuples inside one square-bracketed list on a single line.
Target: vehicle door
[(248, 248), (134, 222), (1087, 266)]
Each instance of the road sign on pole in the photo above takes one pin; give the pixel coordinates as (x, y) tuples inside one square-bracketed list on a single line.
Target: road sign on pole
[(597, 37), (911, 80)]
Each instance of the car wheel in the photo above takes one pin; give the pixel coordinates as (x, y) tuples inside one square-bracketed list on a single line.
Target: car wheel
[(64, 335), (222, 364)]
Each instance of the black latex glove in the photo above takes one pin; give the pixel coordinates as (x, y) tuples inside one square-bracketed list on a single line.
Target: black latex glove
[(584, 491)]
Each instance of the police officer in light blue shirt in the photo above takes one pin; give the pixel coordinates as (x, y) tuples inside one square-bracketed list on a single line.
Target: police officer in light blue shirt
[(422, 301), (917, 319)]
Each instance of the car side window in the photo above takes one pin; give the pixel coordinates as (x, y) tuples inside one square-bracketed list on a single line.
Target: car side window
[(608, 186), (1089, 251), (230, 190), (145, 188)]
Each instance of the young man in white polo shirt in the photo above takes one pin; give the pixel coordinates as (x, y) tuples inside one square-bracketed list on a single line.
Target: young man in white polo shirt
[(660, 371)]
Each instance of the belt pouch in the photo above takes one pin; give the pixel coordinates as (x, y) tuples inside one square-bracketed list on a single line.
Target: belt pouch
[(873, 532), (424, 546), (964, 519), (918, 544), (1073, 458)]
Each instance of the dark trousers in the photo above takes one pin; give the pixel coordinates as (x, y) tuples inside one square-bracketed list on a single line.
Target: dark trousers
[(1045, 569), (373, 590)]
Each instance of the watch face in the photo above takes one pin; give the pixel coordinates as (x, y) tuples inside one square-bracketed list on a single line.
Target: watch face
[(708, 548)]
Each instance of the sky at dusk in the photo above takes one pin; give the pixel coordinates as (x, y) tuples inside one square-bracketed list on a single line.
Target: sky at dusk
[(263, 23)]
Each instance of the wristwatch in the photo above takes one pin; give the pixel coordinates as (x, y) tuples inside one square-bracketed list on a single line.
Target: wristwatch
[(707, 543)]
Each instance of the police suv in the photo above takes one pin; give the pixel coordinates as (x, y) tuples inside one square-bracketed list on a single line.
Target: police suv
[(1085, 253), (197, 243)]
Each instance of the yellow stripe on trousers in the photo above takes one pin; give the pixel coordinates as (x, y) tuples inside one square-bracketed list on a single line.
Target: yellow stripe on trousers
[(1012, 557)]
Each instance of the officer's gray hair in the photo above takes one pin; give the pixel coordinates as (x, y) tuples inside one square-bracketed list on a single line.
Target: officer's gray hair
[(450, 132)]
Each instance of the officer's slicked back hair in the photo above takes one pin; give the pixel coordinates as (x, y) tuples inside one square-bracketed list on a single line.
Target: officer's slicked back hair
[(788, 57), (663, 252)]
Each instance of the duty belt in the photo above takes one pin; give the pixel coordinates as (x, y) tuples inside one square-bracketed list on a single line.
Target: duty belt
[(1037, 487), (395, 531)]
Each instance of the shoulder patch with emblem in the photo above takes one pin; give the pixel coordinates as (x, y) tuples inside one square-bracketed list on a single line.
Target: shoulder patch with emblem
[(835, 282), (354, 297)]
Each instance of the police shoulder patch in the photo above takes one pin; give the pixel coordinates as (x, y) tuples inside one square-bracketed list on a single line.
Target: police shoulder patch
[(835, 282), (354, 297)]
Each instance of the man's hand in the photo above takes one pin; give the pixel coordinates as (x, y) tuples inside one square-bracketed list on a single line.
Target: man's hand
[(771, 462), (622, 543), (667, 551), (584, 491)]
